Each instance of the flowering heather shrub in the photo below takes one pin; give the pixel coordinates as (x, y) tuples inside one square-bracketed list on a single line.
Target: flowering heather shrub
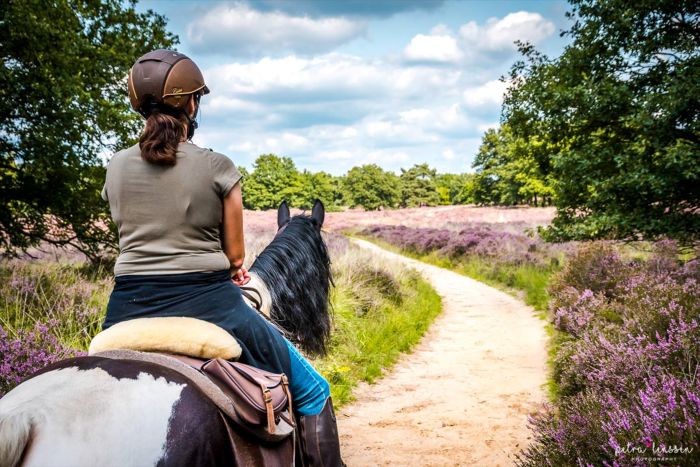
[(27, 352), (477, 240), (628, 363), (69, 296)]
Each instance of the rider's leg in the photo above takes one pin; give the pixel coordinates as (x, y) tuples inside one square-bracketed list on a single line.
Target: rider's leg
[(309, 389), (318, 432)]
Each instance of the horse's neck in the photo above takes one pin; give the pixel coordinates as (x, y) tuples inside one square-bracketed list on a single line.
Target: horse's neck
[(258, 289)]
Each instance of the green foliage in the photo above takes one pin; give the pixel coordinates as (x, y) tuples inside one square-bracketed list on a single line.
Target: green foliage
[(275, 179), (455, 188), (509, 170), (371, 187), (313, 186), (619, 111), (63, 103), (418, 187)]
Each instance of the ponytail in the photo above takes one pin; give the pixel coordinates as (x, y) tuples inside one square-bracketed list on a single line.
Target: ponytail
[(160, 139)]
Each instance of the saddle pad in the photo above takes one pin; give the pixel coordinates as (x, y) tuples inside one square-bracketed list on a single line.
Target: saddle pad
[(175, 335)]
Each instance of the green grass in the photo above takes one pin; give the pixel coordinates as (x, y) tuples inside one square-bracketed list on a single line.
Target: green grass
[(365, 345)]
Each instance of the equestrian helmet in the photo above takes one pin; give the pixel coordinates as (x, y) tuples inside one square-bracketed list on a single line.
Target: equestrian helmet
[(164, 77)]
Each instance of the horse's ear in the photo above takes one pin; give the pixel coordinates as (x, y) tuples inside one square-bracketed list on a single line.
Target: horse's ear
[(318, 212), (282, 214)]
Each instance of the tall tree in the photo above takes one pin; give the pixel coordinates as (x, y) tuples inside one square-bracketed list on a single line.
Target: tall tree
[(274, 179), (63, 104), (620, 111), (371, 187), (508, 170), (418, 186)]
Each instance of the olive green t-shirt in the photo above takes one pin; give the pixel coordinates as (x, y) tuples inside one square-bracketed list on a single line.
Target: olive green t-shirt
[(169, 217)]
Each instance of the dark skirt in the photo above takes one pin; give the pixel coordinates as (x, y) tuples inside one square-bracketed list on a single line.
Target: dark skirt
[(210, 296)]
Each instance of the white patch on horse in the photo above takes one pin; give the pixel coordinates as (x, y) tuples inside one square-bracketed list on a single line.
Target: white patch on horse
[(88, 417)]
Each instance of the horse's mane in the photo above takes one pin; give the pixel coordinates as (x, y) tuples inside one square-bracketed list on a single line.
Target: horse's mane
[(296, 269)]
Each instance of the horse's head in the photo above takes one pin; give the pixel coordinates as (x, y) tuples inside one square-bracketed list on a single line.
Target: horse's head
[(296, 270)]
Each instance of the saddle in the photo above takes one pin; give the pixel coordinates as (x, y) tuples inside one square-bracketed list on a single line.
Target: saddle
[(251, 400)]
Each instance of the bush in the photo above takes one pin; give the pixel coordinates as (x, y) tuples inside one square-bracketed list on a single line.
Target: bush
[(628, 364)]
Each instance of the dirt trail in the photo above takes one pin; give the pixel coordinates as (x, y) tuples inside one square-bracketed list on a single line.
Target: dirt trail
[(462, 397)]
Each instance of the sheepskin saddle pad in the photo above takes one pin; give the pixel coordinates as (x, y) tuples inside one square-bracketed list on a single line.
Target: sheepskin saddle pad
[(174, 335)]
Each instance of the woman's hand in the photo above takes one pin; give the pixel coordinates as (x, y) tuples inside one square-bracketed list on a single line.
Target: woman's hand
[(241, 277)]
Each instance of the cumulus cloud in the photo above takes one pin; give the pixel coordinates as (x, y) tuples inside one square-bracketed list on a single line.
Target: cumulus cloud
[(439, 46), (489, 94), (500, 34), (237, 29), (330, 77), (487, 41)]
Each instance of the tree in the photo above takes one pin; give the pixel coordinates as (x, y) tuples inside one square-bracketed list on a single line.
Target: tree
[(371, 187), (619, 109), (274, 179), (63, 104), (310, 186), (418, 186), (508, 171), (454, 188)]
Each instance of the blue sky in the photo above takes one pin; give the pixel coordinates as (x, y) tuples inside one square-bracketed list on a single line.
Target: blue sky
[(339, 83)]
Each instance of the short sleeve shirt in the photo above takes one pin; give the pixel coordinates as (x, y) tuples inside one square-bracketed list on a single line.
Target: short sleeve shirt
[(169, 217)]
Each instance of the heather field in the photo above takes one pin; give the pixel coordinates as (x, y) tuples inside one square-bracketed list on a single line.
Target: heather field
[(624, 325)]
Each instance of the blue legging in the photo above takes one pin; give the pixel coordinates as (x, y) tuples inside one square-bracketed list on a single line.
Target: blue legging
[(309, 389)]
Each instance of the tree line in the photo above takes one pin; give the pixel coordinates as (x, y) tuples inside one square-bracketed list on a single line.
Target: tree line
[(274, 179)]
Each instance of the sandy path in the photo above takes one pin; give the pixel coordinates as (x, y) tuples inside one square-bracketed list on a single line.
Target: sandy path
[(463, 396)]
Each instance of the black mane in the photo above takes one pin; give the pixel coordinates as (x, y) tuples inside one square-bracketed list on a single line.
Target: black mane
[(296, 269)]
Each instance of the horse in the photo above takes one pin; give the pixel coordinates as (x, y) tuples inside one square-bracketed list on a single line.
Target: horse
[(99, 411)]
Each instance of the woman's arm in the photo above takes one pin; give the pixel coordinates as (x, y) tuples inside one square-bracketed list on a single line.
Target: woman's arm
[(232, 228)]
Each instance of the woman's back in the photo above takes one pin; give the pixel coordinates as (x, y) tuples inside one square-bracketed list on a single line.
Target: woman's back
[(169, 217)]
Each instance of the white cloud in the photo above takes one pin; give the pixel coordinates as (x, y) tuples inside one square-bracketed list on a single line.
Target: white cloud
[(325, 77), (500, 34), (340, 154), (477, 41), (238, 29), (348, 132), (439, 46), (448, 154), (489, 94)]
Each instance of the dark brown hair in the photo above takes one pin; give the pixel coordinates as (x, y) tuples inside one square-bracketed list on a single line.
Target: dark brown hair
[(160, 138)]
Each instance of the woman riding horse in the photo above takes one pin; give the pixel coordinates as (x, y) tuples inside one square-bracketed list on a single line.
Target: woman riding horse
[(179, 213)]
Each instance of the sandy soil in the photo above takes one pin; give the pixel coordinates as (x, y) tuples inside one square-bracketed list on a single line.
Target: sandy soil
[(462, 397)]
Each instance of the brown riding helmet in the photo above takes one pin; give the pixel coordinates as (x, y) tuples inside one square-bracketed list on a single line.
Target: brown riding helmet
[(163, 77)]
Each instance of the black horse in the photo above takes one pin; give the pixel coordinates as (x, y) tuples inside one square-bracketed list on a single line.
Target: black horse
[(101, 411)]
